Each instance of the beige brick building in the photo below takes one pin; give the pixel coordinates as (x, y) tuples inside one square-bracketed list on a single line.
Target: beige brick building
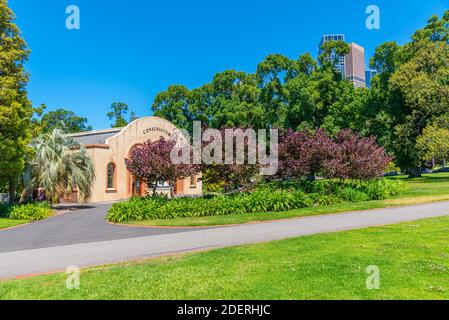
[(108, 150), (355, 65)]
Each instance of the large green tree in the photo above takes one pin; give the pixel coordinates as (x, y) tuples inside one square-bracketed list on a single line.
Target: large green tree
[(411, 89), (15, 108), (118, 114), (65, 120), (283, 93)]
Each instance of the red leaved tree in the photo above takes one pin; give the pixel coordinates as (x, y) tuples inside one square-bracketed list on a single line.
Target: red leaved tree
[(357, 157), (232, 174), (304, 154), (152, 163)]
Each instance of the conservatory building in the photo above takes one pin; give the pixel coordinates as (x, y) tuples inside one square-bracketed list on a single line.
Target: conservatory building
[(108, 149)]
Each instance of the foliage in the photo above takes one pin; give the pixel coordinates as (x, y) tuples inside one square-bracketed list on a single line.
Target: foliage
[(409, 92), (4, 209), (353, 195), (156, 207), (65, 120), (15, 108), (433, 143), (356, 157), (412, 87), (304, 154), (152, 163), (118, 112), (376, 189), (349, 155), (283, 93), (273, 197), (231, 175), (30, 211), (59, 167)]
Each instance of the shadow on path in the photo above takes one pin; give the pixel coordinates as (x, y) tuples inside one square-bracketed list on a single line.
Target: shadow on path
[(74, 224)]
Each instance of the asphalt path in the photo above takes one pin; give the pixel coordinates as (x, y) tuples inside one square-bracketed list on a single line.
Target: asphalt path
[(83, 238)]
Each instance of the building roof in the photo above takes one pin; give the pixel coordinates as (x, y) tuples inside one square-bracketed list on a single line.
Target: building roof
[(94, 137)]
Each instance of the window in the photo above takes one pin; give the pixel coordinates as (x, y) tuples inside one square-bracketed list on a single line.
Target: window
[(192, 181), (111, 176)]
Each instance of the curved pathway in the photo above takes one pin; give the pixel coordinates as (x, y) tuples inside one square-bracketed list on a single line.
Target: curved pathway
[(84, 225), (85, 239)]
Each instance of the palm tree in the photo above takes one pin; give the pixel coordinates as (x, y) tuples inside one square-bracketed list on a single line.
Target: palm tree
[(60, 165)]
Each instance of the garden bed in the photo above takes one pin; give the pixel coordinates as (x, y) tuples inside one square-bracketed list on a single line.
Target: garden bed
[(273, 197)]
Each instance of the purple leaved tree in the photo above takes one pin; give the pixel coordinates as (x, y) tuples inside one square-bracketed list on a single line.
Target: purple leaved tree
[(357, 157), (152, 163), (304, 154)]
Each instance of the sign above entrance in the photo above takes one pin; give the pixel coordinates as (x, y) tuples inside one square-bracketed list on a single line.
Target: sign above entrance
[(157, 129)]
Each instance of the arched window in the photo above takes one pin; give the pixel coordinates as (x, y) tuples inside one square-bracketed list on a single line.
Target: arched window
[(111, 176)]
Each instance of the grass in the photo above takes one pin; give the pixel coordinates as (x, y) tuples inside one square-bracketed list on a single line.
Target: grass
[(429, 188), (7, 223), (413, 259)]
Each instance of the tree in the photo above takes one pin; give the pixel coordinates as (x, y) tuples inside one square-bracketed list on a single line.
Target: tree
[(118, 112), (60, 166), (412, 87), (433, 143), (304, 154), (349, 156), (356, 157), (231, 174), (152, 163), (65, 120), (173, 105), (15, 108), (332, 51)]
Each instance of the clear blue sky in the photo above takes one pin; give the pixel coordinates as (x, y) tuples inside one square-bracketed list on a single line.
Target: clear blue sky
[(129, 50)]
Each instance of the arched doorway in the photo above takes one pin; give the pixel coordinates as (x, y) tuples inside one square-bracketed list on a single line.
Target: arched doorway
[(136, 188)]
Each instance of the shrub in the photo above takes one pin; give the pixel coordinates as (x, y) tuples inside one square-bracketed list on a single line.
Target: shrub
[(4, 209), (31, 211), (353, 195), (240, 203), (272, 197), (376, 189), (383, 188)]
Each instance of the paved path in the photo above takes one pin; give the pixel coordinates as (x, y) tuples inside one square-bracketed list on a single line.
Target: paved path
[(84, 225), (165, 241)]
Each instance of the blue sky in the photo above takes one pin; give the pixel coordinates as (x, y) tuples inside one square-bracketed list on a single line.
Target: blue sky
[(129, 51)]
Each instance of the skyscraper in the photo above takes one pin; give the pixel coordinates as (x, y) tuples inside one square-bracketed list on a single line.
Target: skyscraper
[(340, 60), (355, 65), (369, 74), (350, 66)]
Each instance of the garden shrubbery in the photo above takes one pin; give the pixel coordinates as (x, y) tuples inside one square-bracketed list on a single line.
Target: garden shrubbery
[(29, 211), (273, 197), (376, 189), (4, 209), (159, 207)]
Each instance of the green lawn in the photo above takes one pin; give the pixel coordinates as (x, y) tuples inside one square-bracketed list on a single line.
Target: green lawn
[(7, 223), (429, 188), (413, 259)]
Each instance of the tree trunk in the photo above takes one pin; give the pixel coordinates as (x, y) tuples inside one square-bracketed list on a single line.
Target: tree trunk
[(414, 172), (12, 190), (154, 188), (172, 193), (24, 196)]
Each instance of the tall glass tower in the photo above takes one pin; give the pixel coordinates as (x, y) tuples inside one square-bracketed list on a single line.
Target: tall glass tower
[(340, 60), (350, 66)]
